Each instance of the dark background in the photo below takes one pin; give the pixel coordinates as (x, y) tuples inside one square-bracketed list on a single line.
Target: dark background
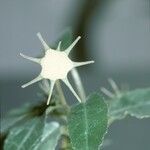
[(115, 33)]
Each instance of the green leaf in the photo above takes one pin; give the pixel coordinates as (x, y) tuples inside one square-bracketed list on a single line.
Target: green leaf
[(15, 117), (25, 136), (50, 137), (9, 122), (20, 115), (87, 123), (26, 108), (135, 103), (33, 135)]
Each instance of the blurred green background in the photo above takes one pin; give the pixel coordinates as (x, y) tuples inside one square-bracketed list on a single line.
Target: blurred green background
[(115, 33)]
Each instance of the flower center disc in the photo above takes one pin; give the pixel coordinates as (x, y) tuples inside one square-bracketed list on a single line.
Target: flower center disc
[(55, 65)]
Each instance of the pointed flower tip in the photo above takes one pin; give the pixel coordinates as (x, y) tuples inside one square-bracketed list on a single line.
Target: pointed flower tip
[(23, 86), (79, 37), (38, 34), (92, 61), (21, 54), (79, 100)]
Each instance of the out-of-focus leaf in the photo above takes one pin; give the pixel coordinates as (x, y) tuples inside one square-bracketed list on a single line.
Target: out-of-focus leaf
[(25, 137), (21, 110), (135, 103), (33, 135), (14, 117), (9, 122), (50, 137), (87, 123), (22, 114)]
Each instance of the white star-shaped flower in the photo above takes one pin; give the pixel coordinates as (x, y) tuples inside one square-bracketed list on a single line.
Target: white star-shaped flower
[(55, 65)]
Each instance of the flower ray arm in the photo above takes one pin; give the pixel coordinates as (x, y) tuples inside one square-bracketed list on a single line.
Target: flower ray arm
[(50, 91), (77, 64), (66, 81), (46, 47), (36, 60), (68, 50), (59, 46), (38, 78)]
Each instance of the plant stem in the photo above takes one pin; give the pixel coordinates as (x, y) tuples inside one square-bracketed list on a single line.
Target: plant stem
[(61, 94), (78, 84), (65, 143)]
